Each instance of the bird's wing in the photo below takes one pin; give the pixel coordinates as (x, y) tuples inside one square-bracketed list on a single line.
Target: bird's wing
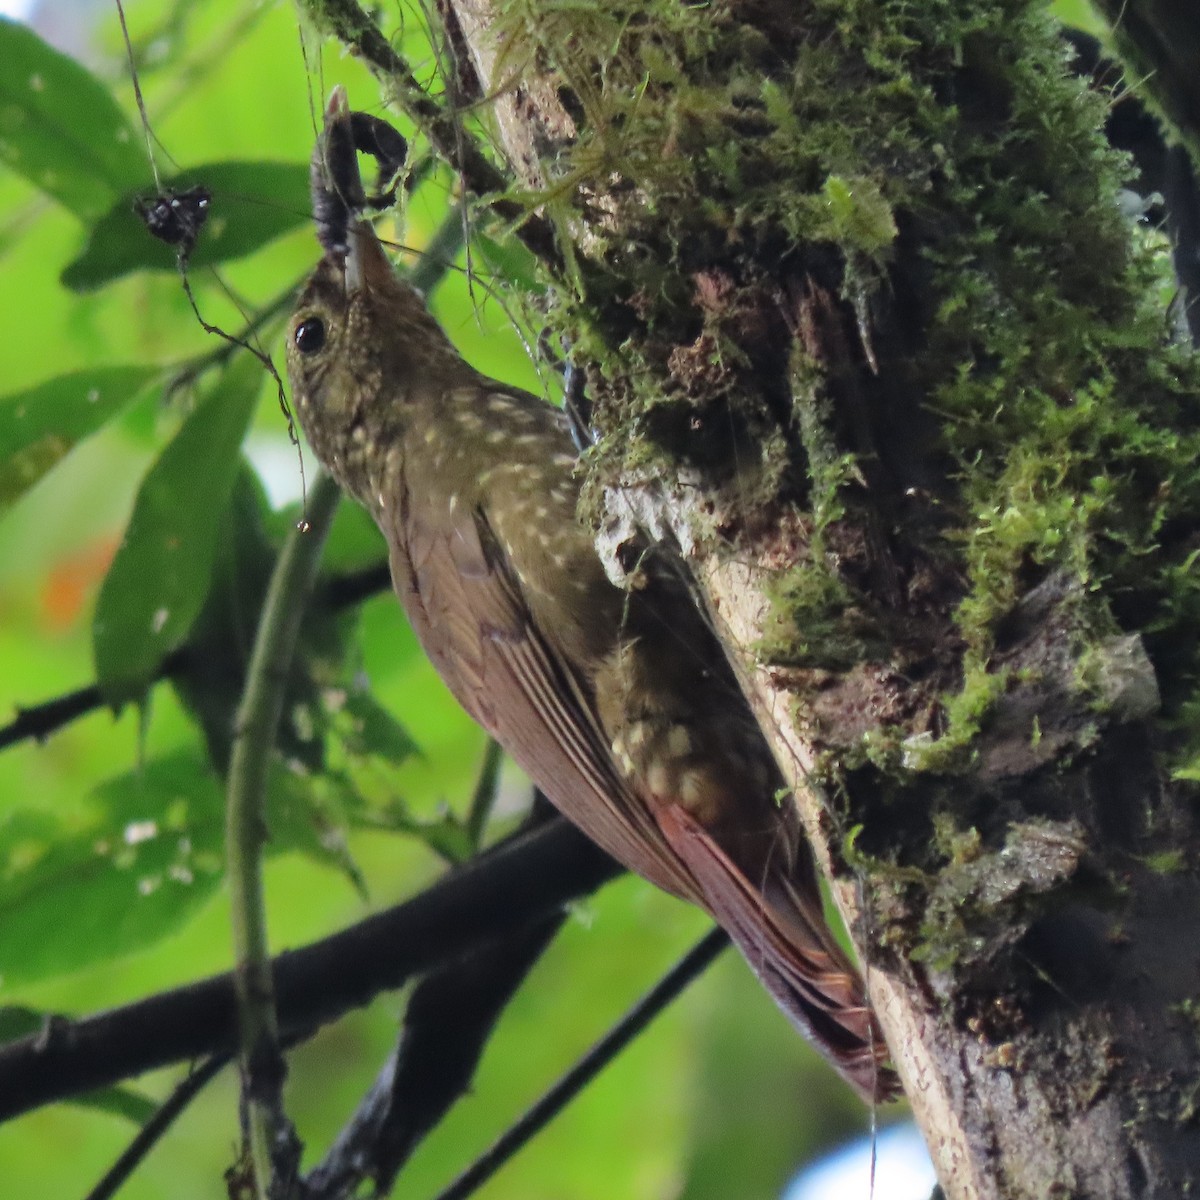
[(467, 609)]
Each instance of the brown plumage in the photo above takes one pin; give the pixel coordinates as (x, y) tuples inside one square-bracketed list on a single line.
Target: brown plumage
[(618, 703)]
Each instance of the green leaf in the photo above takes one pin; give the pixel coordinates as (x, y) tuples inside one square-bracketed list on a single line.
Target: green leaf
[(118, 1101), (18, 1021), (252, 204), (61, 128), (146, 853), (40, 425), (160, 576), (222, 635), (369, 729)]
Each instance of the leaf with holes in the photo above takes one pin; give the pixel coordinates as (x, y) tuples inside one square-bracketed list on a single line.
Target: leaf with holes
[(40, 425)]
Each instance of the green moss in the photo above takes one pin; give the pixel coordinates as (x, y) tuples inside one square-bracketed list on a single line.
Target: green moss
[(812, 624), (717, 160), (966, 712), (1169, 862)]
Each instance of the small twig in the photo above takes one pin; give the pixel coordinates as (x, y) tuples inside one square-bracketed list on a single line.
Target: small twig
[(39, 721), (164, 1117), (690, 967), (137, 94), (188, 371), (238, 342)]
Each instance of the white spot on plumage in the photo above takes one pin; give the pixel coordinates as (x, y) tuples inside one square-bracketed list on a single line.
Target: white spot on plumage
[(639, 731), (658, 779), (621, 755), (691, 790), (679, 741)]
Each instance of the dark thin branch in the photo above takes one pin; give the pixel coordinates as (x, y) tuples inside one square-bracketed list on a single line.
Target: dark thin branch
[(164, 1117), (39, 721), (347, 21), (526, 877), (345, 591), (447, 1024), (690, 967)]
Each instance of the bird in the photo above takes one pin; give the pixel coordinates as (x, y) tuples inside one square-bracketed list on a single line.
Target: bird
[(618, 701)]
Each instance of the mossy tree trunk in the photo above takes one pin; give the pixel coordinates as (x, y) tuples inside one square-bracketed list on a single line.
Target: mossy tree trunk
[(866, 330)]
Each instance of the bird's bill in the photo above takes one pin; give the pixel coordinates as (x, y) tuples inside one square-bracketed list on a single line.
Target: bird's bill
[(367, 266)]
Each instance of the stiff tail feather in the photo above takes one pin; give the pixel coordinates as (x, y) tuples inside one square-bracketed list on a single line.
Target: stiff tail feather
[(792, 952)]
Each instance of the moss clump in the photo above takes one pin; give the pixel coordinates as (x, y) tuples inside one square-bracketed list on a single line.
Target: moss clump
[(728, 155)]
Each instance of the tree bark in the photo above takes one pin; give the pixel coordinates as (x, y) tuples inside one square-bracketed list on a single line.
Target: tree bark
[(867, 335)]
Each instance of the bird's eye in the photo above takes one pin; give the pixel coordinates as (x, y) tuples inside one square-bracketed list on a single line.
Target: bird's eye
[(310, 335)]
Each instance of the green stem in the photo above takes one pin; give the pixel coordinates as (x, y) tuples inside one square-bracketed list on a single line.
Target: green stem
[(484, 798), (246, 821)]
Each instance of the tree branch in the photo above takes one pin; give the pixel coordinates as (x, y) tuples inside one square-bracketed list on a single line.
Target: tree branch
[(690, 967), (522, 879), (164, 1117), (446, 1026), (39, 721)]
